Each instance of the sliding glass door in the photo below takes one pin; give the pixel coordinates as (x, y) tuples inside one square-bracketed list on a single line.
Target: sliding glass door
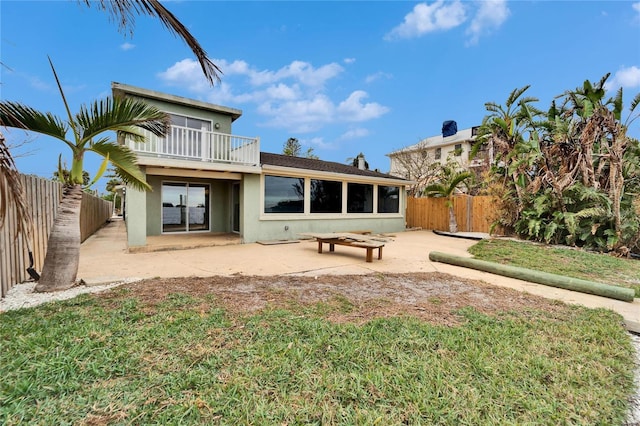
[(185, 207)]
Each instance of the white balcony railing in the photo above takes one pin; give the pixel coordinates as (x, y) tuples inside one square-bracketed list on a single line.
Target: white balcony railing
[(200, 145)]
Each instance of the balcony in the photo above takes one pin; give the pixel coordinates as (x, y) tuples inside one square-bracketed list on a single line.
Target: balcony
[(184, 143)]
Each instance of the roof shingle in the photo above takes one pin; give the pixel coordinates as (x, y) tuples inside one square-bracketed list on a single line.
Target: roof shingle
[(281, 160)]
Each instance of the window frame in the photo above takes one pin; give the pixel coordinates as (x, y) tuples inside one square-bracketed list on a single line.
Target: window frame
[(342, 214)]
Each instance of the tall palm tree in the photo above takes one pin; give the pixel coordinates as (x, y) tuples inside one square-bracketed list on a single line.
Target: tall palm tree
[(123, 12), (449, 180), (86, 130)]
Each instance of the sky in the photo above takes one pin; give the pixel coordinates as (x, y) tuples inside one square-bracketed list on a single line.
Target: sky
[(341, 77)]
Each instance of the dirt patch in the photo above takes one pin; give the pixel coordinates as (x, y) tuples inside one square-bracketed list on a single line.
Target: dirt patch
[(434, 297)]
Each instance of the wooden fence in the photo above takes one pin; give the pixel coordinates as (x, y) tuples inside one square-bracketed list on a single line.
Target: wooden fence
[(43, 197), (473, 214)]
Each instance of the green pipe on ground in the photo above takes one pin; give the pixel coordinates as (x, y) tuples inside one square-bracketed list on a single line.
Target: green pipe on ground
[(568, 283)]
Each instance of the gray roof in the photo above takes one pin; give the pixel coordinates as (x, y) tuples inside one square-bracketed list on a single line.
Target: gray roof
[(281, 160)]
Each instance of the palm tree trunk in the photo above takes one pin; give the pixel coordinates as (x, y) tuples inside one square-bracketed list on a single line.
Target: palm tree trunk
[(63, 249), (453, 225)]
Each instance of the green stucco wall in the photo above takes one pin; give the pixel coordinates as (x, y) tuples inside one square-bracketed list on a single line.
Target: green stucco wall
[(218, 203), (223, 119), (254, 228), (250, 225), (135, 215)]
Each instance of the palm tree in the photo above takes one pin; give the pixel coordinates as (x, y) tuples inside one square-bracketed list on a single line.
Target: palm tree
[(505, 130), (123, 12), (450, 178), (86, 129)]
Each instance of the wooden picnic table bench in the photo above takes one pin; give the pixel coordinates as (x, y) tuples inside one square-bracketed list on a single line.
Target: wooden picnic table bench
[(367, 242)]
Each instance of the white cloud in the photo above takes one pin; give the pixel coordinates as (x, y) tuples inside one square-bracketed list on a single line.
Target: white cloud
[(490, 16), (352, 109), (127, 46), (425, 18), (317, 142), (302, 115), (293, 97), (377, 76), (354, 134), (443, 15), (38, 84), (636, 7), (624, 77), (300, 71), (186, 73), (349, 60)]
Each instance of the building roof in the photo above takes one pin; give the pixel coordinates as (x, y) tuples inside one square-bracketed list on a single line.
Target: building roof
[(289, 161), (440, 141), (120, 88)]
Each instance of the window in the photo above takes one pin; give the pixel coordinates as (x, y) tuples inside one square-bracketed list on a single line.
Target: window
[(457, 150), (326, 196), (283, 194), (438, 153), (359, 198), (185, 207), (388, 199)]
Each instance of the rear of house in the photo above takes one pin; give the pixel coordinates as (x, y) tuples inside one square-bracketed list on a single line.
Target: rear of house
[(206, 180)]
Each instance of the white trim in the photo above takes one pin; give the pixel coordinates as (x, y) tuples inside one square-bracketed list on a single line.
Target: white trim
[(327, 216), (343, 214), (168, 171), (167, 162), (316, 174)]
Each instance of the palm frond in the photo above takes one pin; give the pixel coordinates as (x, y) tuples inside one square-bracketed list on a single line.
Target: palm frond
[(123, 11), (11, 192), (120, 114), (125, 162), (15, 114), (435, 190), (515, 94)]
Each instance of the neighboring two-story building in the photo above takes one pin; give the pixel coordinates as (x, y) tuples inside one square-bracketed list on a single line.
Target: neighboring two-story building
[(451, 144), (205, 179)]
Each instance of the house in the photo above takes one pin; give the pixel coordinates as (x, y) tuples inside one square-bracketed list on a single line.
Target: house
[(451, 144), (205, 179)]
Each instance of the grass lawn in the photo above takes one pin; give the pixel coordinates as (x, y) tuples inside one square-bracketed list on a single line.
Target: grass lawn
[(563, 261), (187, 360)]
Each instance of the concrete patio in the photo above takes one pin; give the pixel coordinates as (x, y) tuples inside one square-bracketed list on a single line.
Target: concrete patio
[(104, 258)]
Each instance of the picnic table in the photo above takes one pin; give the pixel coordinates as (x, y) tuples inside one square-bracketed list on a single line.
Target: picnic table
[(349, 239)]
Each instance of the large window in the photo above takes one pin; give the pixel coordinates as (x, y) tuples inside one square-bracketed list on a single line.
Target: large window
[(388, 199), (309, 196), (185, 207), (359, 198), (283, 194), (326, 196)]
